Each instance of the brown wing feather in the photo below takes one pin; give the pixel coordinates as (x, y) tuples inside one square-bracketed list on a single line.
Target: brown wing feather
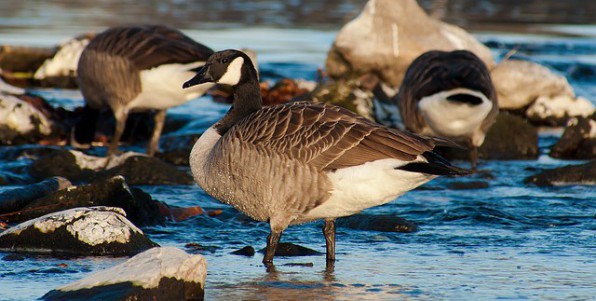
[(325, 136), (149, 46)]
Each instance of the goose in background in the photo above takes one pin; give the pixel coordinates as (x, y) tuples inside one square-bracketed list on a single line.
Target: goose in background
[(137, 68), (299, 162), (449, 94)]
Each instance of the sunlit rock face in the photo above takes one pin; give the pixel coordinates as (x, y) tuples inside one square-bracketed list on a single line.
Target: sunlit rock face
[(78, 232), (388, 35), (20, 121), (578, 141), (157, 274)]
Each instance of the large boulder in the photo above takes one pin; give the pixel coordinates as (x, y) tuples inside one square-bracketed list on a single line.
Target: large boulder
[(78, 232), (578, 141), (138, 169), (164, 273), (582, 174), (388, 35), (139, 206)]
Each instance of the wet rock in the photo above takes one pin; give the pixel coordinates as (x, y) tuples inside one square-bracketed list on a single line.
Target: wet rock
[(520, 83), (388, 35), (380, 223), (583, 174), (196, 247), (20, 122), (578, 141), (246, 251), (348, 94), (555, 111), (16, 199), (141, 209), (78, 231), (282, 91), (290, 249), (157, 274), (176, 149), (13, 257), (138, 169), (466, 185), (510, 138)]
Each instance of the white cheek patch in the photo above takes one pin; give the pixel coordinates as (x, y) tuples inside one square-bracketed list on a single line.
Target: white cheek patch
[(233, 73)]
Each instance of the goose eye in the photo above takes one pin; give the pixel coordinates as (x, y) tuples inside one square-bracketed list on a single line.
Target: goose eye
[(225, 61)]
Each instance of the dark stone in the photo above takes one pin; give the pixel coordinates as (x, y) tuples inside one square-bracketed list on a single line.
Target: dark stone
[(464, 185), (510, 138), (138, 170), (16, 199), (61, 240), (140, 208), (246, 251), (197, 248), (168, 289), (13, 257), (290, 249), (582, 174), (381, 223), (576, 143)]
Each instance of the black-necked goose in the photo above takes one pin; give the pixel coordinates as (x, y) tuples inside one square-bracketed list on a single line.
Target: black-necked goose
[(299, 162), (138, 68), (449, 94)]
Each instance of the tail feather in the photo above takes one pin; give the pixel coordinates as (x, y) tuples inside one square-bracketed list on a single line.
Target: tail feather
[(436, 165)]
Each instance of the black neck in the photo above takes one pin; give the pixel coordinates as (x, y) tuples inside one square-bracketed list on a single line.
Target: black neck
[(247, 100)]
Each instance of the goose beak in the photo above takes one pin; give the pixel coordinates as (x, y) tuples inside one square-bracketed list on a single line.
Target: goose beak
[(201, 77)]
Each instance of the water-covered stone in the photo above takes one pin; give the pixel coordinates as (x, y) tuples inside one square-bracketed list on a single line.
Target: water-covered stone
[(289, 249), (138, 169), (388, 35), (578, 141), (164, 273), (246, 251), (78, 232), (380, 223), (15, 199), (465, 185), (141, 209), (582, 174)]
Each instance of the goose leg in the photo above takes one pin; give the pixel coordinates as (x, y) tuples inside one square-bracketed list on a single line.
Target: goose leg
[(120, 123), (160, 118), (329, 232), (473, 157), (272, 242)]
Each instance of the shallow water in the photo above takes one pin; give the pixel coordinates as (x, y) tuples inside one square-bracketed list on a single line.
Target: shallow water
[(508, 242)]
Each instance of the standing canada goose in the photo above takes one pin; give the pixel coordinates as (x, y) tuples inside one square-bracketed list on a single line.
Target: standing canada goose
[(449, 94), (137, 68), (298, 162)]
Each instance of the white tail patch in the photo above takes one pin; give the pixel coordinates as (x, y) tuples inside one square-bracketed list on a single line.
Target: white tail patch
[(453, 119), (233, 73)]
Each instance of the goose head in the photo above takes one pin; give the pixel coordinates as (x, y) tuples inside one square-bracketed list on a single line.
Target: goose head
[(228, 67)]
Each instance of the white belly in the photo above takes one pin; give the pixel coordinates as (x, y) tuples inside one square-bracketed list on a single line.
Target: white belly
[(368, 185), (454, 119), (162, 87)]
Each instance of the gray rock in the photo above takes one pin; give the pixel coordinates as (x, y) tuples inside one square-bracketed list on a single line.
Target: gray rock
[(583, 174), (164, 273), (15, 199), (388, 35), (578, 141), (78, 232)]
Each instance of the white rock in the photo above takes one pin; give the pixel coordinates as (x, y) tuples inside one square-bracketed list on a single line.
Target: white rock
[(65, 61), (147, 269), (560, 106), (21, 117), (93, 226), (10, 89), (85, 161), (519, 83), (388, 35)]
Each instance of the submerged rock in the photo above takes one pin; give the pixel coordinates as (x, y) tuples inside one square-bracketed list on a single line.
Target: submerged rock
[(164, 273), (289, 249), (583, 174), (380, 223), (138, 169), (15, 199), (578, 141), (141, 209), (78, 231), (246, 251), (388, 35), (466, 185)]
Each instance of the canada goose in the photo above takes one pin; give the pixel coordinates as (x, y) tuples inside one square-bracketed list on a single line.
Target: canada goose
[(449, 94), (298, 162), (137, 68)]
